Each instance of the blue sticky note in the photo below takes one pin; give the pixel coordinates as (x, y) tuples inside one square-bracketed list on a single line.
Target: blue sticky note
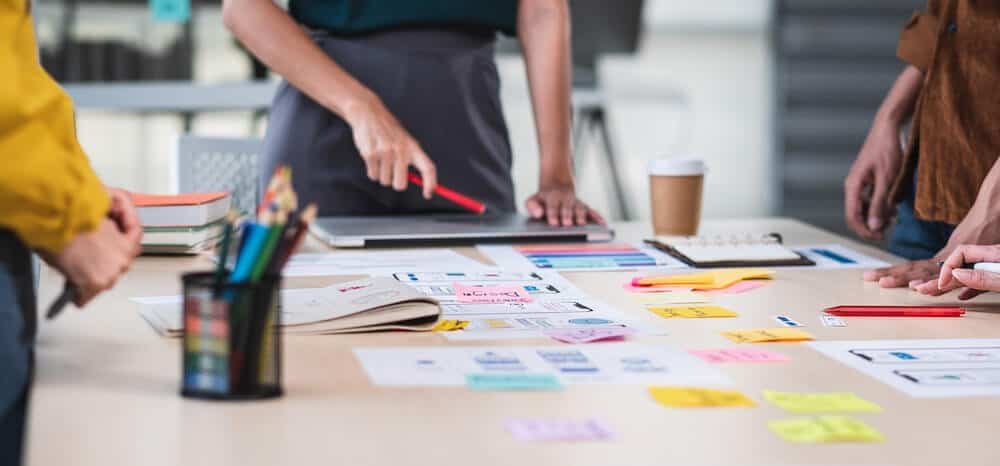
[(170, 10), (512, 382)]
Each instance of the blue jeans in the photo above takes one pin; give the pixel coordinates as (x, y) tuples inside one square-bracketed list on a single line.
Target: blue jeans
[(916, 239), (17, 328)]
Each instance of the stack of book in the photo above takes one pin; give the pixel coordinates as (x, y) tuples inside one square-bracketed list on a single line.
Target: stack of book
[(181, 223)]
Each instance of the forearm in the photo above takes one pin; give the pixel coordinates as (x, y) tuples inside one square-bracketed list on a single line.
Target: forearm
[(544, 31), (899, 105), (277, 41), (982, 224)]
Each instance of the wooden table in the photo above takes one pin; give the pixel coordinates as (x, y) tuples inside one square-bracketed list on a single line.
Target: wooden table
[(106, 391)]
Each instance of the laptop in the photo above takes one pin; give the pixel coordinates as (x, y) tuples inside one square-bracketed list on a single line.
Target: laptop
[(359, 232)]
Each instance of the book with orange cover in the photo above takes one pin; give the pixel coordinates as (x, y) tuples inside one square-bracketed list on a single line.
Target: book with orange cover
[(181, 210)]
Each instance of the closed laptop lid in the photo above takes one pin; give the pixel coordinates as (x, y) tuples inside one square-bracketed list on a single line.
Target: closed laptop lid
[(447, 229)]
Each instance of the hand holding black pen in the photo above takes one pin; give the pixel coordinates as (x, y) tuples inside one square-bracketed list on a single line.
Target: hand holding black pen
[(92, 262)]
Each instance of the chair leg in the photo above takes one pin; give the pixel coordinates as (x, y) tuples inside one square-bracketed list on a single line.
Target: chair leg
[(581, 126), (618, 192)]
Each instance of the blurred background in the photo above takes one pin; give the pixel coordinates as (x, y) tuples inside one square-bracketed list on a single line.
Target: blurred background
[(776, 95)]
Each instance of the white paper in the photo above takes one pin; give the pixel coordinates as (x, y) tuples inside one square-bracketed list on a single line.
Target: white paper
[(835, 256), (377, 262), (924, 368), (556, 304), (508, 258), (572, 364)]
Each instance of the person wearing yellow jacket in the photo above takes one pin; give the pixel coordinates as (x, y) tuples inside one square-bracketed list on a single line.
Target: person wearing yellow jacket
[(52, 203)]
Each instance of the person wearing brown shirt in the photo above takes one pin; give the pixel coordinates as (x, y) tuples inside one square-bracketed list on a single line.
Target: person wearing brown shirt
[(943, 187)]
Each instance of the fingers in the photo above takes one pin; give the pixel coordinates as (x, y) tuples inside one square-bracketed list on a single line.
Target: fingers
[(878, 209), (580, 213), (534, 207), (854, 206), (597, 217), (428, 171), (400, 169), (978, 279), (902, 275), (385, 168), (966, 255), (552, 212)]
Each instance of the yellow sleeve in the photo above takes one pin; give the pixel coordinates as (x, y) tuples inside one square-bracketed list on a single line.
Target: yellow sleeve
[(48, 191)]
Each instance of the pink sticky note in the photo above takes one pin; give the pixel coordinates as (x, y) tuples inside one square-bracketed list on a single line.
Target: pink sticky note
[(589, 334), (490, 294), (559, 430), (744, 355)]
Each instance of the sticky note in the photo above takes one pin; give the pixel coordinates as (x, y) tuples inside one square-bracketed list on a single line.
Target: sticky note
[(739, 355), (810, 403), (741, 287), (692, 312), (824, 429), (500, 294), (767, 335), (667, 299), (712, 280), (170, 10), (446, 325), (693, 397), (589, 334), (502, 382), (560, 430), (832, 321)]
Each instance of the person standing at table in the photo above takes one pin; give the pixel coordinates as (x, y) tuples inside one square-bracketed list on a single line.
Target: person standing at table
[(949, 88), (50, 203), (374, 87)]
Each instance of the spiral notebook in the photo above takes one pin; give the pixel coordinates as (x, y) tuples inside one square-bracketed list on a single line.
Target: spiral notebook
[(730, 251)]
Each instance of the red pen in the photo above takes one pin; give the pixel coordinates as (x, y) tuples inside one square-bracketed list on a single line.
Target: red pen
[(896, 311), (459, 199)]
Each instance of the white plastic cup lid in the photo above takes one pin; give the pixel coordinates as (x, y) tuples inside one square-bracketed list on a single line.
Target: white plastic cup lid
[(677, 167)]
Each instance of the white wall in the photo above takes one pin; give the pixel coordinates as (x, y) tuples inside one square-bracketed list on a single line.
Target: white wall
[(701, 85)]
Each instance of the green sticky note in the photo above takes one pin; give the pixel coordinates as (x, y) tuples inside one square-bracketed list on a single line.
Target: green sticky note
[(811, 403), (512, 382), (170, 10)]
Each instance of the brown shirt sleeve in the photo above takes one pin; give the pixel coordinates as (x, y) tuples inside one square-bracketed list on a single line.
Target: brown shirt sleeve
[(916, 43)]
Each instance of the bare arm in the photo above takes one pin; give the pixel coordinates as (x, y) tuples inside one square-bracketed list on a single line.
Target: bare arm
[(866, 190), (544, 31), (271, 34)]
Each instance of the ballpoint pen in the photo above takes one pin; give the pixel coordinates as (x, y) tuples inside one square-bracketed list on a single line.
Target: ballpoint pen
[(69, 293)]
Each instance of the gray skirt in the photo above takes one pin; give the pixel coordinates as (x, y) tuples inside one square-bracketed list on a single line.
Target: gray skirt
[(442, 85)]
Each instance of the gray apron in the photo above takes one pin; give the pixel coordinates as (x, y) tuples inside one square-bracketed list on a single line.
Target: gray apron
[(442, 85)]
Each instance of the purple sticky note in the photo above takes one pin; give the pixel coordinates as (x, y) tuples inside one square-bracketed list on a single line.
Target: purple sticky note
[(500, 294), (560, 430), (743, 355), (589, 334)]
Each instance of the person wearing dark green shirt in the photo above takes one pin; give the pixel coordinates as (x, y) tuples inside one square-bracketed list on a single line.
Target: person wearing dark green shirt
[(375, 87)]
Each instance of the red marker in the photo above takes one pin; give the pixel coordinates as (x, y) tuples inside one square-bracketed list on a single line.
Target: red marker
[(461, 200), (896, 311)]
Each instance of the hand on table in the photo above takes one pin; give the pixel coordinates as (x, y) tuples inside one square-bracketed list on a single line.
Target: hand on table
[(388, 149), (976, 282), (559, 206), (868, 207), (906, 274)]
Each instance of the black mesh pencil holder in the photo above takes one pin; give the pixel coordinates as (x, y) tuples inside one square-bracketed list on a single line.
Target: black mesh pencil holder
[(232, 338)]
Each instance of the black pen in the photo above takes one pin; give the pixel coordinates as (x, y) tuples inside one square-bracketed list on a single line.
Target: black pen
[(69, 294)]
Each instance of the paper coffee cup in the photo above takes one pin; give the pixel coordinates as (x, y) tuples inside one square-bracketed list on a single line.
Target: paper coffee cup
[(675, 187)]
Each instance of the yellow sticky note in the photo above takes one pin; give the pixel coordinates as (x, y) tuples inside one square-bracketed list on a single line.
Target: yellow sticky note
[(824, 429), (707, 280), (693, 397), (809, 403), (668, 299), (767, 335), (692, 312), (449, 325)]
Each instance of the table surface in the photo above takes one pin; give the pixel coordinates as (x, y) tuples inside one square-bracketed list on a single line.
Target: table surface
[(106, 390)]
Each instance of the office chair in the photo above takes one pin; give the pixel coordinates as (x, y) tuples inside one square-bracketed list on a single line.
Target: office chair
[(221, 164)]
